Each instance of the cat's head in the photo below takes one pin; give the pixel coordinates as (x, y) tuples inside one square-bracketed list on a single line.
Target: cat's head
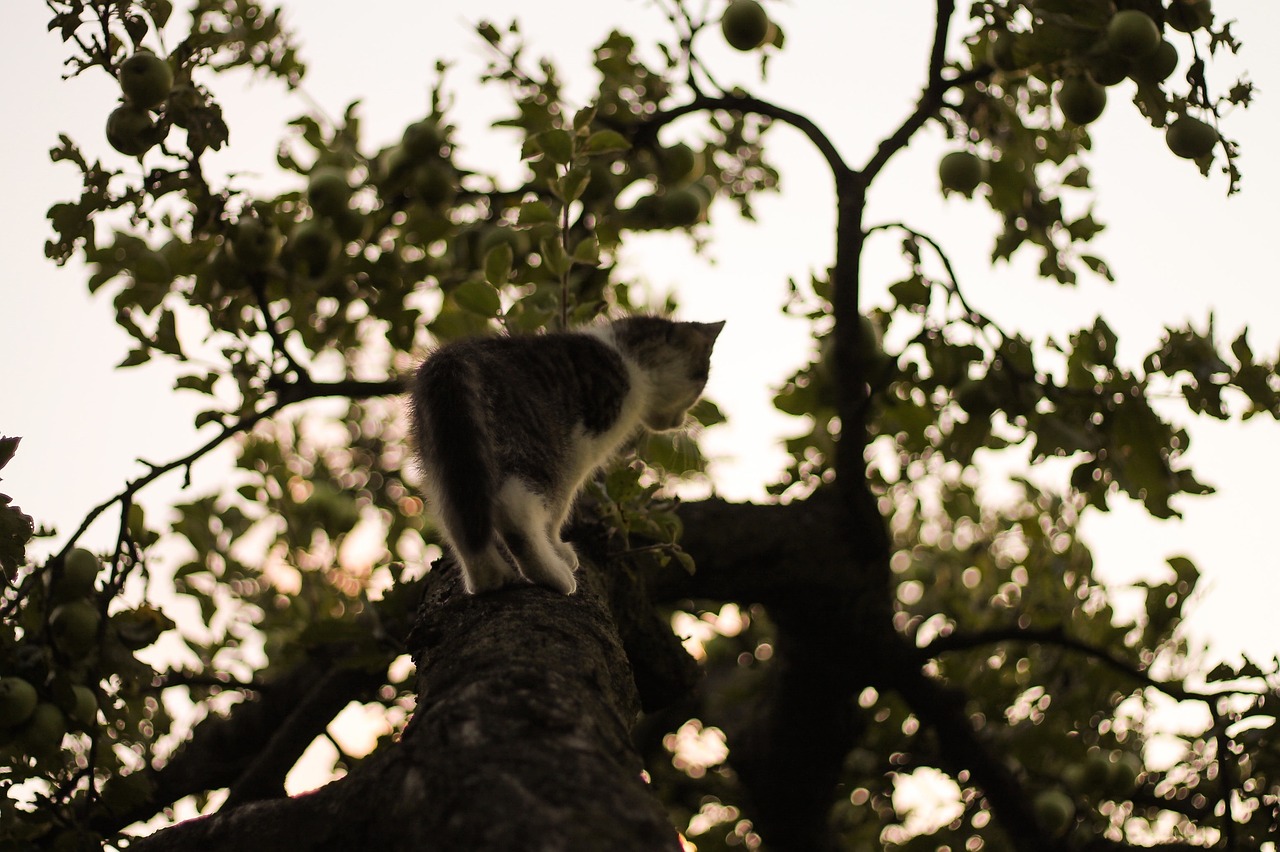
[(676, 356)]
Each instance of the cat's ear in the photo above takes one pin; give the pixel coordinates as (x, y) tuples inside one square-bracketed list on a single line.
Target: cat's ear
[(709, 330)]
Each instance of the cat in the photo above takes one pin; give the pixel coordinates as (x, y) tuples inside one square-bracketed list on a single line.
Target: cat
[(509, 428)]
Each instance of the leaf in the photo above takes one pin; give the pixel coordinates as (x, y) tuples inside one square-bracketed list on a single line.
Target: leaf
[(535, 213), (478, 297), (911, 293), (606, 142), (8, 446), (138, 356), (199, 384), (166, 337), (557, 144), (587, 252), (497, 264)]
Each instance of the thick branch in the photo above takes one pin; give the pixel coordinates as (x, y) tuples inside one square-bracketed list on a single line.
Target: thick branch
[(521, 740)]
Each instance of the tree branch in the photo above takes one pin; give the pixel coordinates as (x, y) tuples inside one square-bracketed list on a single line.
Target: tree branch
[(930, 99), (1057, 636), (747, 103), (525, 707)]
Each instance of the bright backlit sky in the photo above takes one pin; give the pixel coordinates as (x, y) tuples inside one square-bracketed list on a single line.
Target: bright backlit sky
[(1179, 247)]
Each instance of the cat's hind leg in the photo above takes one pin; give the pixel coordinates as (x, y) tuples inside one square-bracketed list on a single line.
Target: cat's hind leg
[(524, 519), (487, 569)]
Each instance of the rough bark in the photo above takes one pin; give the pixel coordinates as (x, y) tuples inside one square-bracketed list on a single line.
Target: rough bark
[(521, 741)]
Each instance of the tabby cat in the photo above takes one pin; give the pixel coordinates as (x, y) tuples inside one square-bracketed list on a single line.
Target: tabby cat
[(509, 428)]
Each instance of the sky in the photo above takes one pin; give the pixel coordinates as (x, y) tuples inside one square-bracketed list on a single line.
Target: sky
[(1179, 247)]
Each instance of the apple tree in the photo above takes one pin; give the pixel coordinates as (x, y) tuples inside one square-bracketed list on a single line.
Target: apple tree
[(877, 621)]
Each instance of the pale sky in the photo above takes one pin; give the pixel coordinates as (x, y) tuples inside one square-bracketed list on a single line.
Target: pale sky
[(1178, 246)]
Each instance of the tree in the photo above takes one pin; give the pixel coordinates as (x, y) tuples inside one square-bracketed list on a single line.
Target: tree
[(884, 620)]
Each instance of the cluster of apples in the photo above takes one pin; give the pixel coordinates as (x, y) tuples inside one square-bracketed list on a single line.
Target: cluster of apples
[(47, 684), (1132, 46), (146, 82), (35, 716)]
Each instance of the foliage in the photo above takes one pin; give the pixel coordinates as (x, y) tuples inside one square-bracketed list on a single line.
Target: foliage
[(375, 254)]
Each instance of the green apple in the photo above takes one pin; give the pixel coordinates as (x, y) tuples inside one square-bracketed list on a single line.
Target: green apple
[(1157, 67), (145, 79), (1133, 34), (85, 711), (1187, 16), (434, 184), (18, 700), (422, 140), (255, 243), (1123, 774), (1081, 99), (745, 24), (962, 171), (44, 731), (79, 572), (679, 164), (314, 247), (681, 207), (74, 626), (1106, 67), (1191, 138), (328, 190), (131, 130), (1054, 810)]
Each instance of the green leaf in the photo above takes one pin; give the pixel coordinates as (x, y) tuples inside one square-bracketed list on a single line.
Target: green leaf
[(535, 213), (8, 446), (497, 264), (557, 144), (478, 297), (166, 337), (138, 356), (587, 251), (199, 384), (606, 142)]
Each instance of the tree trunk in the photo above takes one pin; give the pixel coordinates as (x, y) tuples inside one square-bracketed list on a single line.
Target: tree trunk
[(521, 741)]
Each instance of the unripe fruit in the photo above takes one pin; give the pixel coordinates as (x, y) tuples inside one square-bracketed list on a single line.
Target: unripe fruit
[(745, 25), (314, 247), (1133, 34), (18, 700), (422, 140), (679, 164), (1081, 100), (328, 190), (433, 184), (131, 131), (962, 171), (1055, 811), (681, 207), (1190, 138), (85, 711), (74, 626), (254, 243), (1107, 68), (79, 571), (1122, 778), (1187, 16), (145, 79), (44, 731), (1157, 67)]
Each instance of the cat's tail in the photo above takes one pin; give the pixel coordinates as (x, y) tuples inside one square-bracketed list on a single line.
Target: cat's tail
[(454, 445)]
